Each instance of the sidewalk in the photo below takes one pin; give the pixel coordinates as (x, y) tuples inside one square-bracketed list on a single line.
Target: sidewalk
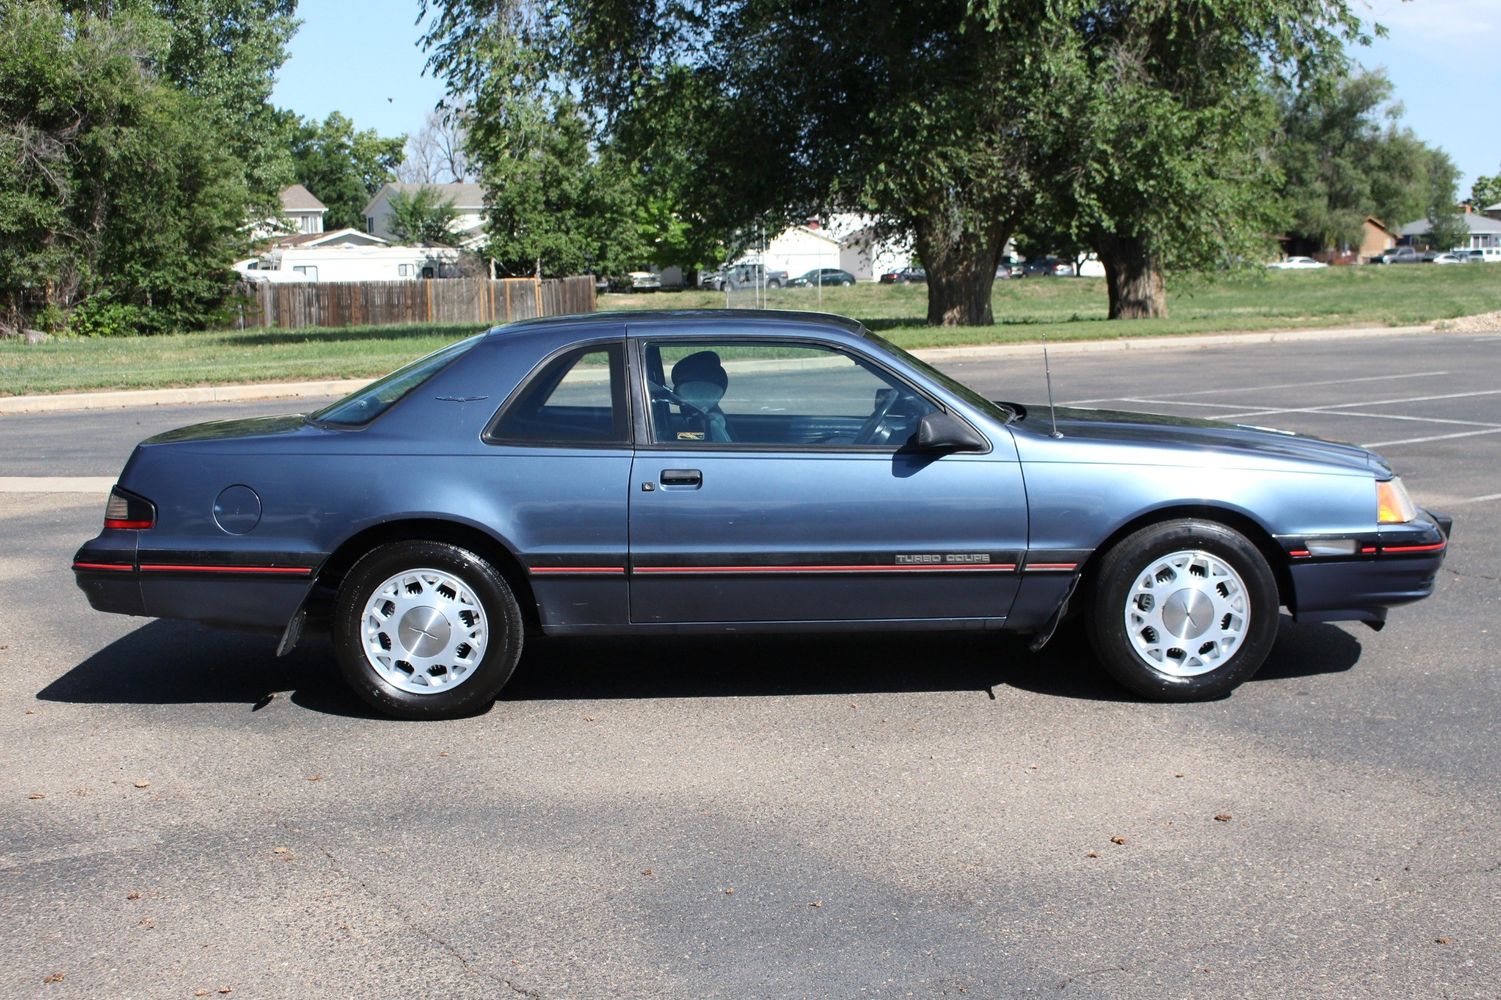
[(73, 401)]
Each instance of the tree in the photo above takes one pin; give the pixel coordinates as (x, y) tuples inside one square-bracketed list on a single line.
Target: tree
[(1485, 192), (226, 54), (1345, 156), (555, 204), (435, 153), (120, 200), (422, 216), (342, 167)]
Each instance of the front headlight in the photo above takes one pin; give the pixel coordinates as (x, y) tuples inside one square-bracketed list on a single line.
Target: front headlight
[(1393, 505)]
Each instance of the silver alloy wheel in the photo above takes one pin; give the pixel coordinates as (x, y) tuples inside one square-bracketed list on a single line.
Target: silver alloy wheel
[(424, 631), (1187, 613)]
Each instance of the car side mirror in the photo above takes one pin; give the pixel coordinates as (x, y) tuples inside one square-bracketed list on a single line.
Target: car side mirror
[(944, 432)]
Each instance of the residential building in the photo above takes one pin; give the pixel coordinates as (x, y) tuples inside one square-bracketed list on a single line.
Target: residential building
[(1484, 232), (1375, 239), (303, 212), (468, 201)]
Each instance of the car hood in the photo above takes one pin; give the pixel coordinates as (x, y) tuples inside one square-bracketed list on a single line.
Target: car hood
[(1122, 436)]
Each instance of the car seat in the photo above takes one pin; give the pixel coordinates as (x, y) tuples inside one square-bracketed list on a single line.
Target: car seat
[(700, 381)]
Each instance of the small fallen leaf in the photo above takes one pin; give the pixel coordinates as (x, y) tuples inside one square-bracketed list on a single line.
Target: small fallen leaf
[(132, 895), (816, 904), (729, 890), (1092, 854), (143, 783), (588, 718), (226, 989), (315, 777), (442, 753), (56, 977), (855, 705), (1178, 775), (1441, 940), (200, 993), (1031, 767), (31, 711), (1117, 839), (147, 922), (36, 795), (281, 850), (1222, 817), (647, 871)]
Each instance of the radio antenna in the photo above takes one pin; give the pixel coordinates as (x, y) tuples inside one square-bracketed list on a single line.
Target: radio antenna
[(1048, 371)]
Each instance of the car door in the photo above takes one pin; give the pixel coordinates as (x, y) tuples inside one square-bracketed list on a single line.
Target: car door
[(774, 482)]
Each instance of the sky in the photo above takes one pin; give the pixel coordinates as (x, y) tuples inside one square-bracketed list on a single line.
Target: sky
[(361, 57)]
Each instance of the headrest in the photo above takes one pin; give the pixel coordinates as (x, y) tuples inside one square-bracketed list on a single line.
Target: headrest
[(702, 366)]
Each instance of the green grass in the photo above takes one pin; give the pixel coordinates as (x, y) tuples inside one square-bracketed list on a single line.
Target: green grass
[(1060, 308)]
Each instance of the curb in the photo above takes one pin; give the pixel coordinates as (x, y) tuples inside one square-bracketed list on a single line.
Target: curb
[(116, 399)]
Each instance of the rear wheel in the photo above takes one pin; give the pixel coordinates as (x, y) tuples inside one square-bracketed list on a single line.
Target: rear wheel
[(1185, 610), (426, 630)]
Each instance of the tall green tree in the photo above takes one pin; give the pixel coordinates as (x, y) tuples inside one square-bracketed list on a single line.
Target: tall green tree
[(1345, 155), (342, 166), (225, 53), (556, 205), (119, 198)]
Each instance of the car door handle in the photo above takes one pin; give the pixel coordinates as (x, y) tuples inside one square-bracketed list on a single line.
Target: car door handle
[(681, 477)]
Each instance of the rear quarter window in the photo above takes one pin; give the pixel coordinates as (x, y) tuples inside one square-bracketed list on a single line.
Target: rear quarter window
[(360, 407)]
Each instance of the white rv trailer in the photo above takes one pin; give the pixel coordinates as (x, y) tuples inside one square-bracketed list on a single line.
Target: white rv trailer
[(352, 264)]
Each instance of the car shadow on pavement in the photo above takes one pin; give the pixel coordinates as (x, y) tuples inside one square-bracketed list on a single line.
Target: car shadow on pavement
[(179, 663), (167, 662)]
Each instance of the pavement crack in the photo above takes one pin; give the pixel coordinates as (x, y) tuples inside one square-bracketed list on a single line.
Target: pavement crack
[(1088, 972), (413, 925)]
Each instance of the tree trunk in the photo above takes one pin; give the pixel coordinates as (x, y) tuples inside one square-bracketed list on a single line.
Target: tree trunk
[(961, 270), (1133, 273)]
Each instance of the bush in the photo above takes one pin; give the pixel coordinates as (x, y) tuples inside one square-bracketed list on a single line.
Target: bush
[(100, 316)]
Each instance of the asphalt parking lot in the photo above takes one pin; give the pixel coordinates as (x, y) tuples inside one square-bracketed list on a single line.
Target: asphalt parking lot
[(935, 816)]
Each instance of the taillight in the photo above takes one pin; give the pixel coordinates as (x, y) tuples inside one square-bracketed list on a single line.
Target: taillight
[(1393, 505), (126, 510)]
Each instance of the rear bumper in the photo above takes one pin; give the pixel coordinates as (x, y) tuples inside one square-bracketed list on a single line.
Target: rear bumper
[(226, 591)]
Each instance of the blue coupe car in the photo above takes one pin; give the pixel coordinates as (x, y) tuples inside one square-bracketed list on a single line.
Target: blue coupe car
[(729, 471)]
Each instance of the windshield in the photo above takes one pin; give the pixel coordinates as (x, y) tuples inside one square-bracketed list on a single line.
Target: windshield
[(364, 405), (998, 410)]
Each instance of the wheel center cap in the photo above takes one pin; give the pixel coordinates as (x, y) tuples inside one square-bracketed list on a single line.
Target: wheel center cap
[(1188, 614), (424, 631)]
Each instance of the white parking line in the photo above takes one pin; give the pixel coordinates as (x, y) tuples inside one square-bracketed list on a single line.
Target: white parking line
[(1485, 499), (1284, 385), (56, 484), (1435, 437), (1366, 402)]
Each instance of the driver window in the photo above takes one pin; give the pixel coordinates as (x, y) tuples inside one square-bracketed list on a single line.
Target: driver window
[(787, 395)]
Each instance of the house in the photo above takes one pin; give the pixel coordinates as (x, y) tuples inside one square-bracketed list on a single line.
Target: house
[(1375, 239), (1484, 232), (302, 210), (468, 201), (865, 253), (1492, 211), (352, 263)]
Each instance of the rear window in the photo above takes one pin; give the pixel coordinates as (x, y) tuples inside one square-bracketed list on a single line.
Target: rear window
[(359, 408)]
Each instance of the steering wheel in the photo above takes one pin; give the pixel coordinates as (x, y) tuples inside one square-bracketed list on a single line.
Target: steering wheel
[(871, 432)]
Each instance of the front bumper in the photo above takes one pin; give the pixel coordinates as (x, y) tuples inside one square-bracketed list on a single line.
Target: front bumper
[(1398, 566)]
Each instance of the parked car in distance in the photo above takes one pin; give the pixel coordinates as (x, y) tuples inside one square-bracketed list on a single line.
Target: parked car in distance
[(906, 276), (1448, 258), (1047, 267), (1406, 255), (1297, 264), (822, 276), (1092, 267), (1479, 255), (1009, 266), (735, 473), (741, 276)]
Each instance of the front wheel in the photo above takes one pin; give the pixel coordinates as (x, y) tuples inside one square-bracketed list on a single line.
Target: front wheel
[(1185, 610), (426, 630)]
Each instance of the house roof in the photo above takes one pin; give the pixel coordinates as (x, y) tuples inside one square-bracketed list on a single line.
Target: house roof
[(463, 196), (1378, 224), (339, 237), (299, 199), (1476, 223)]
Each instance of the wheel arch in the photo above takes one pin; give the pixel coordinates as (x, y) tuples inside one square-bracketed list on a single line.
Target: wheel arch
[(1248, 526), (428, 529)]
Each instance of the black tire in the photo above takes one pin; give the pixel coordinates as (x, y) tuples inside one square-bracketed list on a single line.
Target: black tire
[(498, 612), (1119, 592), (845, 284)]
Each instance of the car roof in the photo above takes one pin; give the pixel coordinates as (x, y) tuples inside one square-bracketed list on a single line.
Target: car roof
[(742, 322)]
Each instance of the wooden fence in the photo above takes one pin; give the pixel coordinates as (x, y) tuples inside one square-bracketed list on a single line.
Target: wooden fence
[(433, 300)]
